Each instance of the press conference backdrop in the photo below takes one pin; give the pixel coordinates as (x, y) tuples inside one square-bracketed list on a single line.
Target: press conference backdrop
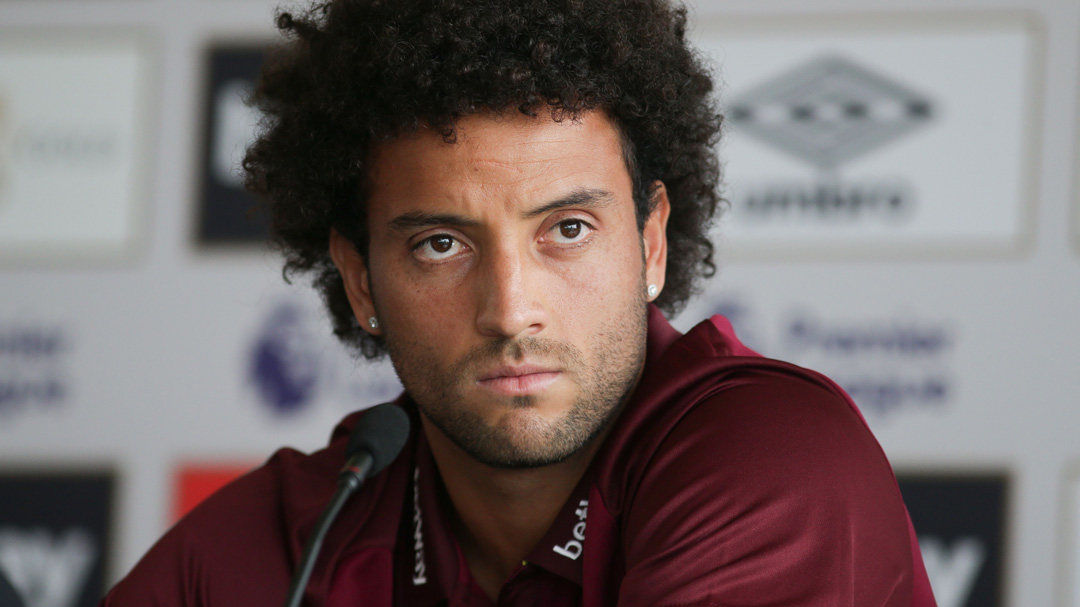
[(905, 217)]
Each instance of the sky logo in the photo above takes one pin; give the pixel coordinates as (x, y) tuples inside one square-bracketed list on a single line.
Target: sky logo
[(47, 569), (54, 535), (961, 521), (952, 569)]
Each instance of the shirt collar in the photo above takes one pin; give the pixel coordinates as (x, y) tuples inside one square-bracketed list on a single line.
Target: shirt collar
[(431, 567), (561, 549), (430, 564)]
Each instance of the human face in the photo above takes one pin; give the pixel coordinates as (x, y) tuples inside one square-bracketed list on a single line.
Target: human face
[(509, 278)]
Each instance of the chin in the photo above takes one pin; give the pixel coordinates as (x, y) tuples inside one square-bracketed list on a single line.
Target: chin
[(525, 423)]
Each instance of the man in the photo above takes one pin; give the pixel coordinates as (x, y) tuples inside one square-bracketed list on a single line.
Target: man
[(505, 196)]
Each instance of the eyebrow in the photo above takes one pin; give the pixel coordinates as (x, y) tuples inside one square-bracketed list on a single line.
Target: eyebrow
[(590, 198), (415, 220), (583, 197)]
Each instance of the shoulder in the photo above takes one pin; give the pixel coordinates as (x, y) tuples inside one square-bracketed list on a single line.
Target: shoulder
[(772, 475), (769, 426), (263, 504), (235, 546), (707, 384), (773, 408)]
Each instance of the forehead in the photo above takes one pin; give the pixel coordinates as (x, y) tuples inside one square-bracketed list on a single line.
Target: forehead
[(509, 155)]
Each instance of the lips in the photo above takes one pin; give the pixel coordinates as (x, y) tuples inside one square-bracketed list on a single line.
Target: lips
[(518, 380)]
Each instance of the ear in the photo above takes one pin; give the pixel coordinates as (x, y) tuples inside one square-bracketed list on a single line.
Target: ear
[(654, 236), (354, 274)]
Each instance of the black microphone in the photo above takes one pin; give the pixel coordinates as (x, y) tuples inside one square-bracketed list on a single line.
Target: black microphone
[(376, 440)]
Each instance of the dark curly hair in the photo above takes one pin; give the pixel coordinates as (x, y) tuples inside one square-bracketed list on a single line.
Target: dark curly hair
[(358, 72)]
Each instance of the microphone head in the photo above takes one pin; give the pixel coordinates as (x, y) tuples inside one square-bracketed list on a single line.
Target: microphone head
[(381, 431)]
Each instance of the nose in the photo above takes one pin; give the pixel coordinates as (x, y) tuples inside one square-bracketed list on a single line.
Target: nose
[(509, 286)]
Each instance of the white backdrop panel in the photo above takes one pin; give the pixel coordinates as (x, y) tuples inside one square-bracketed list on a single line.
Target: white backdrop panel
[(72, 144), (903, 134)]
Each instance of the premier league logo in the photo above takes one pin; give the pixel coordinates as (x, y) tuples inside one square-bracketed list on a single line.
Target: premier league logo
[(284, 362), (34, 368), (295, 364)]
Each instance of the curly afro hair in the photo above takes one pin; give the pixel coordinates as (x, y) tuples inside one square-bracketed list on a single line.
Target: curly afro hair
[(358, 72)]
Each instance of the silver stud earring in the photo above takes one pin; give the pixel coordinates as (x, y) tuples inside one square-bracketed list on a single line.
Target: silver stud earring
[(652, 290), (373, 322)]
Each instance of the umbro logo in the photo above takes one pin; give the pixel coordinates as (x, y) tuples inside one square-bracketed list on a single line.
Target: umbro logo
[(829, 111)]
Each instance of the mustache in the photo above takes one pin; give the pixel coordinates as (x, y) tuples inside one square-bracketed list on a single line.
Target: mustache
[(535, 349)]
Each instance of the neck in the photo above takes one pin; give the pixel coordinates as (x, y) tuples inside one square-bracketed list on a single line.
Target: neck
[(501, 514)]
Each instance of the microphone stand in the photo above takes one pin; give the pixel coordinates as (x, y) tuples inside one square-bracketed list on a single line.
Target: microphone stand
[(376, 440), (351, 478)]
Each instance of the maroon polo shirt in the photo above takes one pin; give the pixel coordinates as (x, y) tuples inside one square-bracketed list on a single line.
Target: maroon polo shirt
[(729, 479)]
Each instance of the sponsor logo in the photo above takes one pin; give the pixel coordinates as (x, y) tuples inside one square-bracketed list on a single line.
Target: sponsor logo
[(70, 151), (226, 208), (952, 569), (52, 145), (829, 111), (828, 200), (887, 365), (573, 547), (294, 363), (53, 554), (33, 367), (420, 567), (960, 521), (742, 319), (826, 113), (47, 569), (234, 130), (60, 147), (284, 362)]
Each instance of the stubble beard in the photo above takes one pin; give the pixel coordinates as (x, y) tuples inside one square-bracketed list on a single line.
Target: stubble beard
[(604, 385)]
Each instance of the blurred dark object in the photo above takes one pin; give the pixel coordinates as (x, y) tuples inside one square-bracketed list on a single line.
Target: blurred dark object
[(961, 523), (227, 212), (55, 530)]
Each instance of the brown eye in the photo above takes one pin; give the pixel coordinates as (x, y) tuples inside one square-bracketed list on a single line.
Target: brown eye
[(439, 247), (441, 244), (570, 229)]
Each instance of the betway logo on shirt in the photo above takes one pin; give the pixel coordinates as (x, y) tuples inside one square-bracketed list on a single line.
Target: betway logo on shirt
[(420, 568), (573, 547)]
